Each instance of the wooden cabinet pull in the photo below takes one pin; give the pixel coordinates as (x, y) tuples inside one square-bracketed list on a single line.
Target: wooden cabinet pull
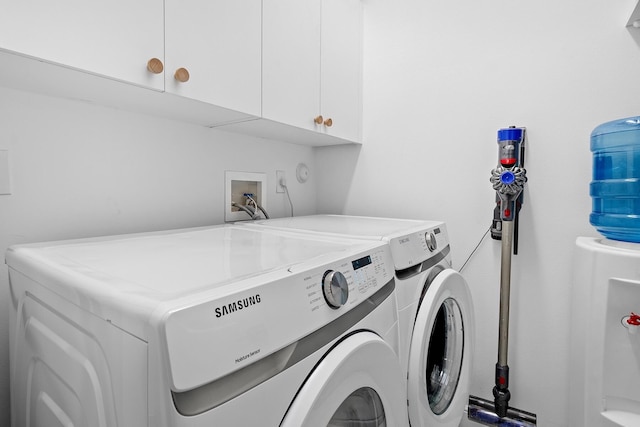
[(328, 122), (181, 75), (318, 120), (155, 66)]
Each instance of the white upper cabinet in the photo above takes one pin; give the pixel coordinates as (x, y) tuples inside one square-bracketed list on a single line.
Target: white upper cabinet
[(111, 38), (218, 44), (341, 68), (312, 68), (287, 70), (291, 61)]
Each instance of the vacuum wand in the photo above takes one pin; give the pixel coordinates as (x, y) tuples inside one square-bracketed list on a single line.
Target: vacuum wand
[(508, 180), (505, 291), (501, 392)]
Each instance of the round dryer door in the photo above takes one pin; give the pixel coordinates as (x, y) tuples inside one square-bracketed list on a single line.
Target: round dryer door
[(440, 353), (358, 382)]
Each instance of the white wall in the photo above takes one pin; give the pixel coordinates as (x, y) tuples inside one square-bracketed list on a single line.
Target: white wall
[(440, 78), (80, 170)]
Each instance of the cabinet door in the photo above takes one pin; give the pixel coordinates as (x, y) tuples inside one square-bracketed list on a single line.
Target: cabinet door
[(219, 43), (341, 65), (112, 38), (291, 62)]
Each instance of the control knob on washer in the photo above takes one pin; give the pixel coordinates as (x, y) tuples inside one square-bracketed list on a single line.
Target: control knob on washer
[(335, 288), (431, 241)]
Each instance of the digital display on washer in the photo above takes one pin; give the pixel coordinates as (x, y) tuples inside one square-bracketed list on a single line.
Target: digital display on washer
[(359, 263)]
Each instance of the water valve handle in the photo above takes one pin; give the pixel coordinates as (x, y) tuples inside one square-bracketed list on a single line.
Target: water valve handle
[(633, 320)]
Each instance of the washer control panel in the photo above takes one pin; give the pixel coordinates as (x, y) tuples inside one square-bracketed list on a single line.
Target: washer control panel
[(259, 315), (431, 241), (350, 281)]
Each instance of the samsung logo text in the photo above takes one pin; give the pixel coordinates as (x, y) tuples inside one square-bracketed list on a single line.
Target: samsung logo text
[(234, 306)]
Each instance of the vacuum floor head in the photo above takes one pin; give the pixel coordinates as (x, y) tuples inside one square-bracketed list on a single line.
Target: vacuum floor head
[(482, 411)]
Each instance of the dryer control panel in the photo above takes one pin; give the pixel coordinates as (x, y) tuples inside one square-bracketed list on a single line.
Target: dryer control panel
[(417, 247), (351, 279)]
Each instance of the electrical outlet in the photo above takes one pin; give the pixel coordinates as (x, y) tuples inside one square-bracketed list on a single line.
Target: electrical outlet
[(280, 179), (241, 189)]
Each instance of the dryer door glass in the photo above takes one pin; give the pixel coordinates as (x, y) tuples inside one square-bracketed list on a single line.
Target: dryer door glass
[(357, 383), (363, 408), (444, 357)]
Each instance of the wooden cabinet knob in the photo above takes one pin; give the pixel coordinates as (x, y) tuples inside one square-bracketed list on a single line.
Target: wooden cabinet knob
[(328, 122), (155, 66), (181, 75), (318, 120)]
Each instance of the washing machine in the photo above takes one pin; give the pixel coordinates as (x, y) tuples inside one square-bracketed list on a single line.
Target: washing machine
[(223, 325), (604, 372), (435, 310)]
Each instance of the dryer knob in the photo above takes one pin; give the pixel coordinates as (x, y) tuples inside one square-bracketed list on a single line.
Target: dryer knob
[(432, 243), (335, 288)]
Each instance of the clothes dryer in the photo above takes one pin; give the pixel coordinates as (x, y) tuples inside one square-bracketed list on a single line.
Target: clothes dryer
[(435, 310), (225, 326)]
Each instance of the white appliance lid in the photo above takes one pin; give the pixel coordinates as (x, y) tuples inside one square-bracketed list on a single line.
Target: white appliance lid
[(407, 238), (125, 278), (344, 225)]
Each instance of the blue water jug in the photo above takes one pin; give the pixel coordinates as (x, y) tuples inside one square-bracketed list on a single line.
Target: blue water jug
[(615, 189)]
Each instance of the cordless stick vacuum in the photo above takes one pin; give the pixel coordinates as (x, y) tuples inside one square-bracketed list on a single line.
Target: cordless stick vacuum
[(508, 179)]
